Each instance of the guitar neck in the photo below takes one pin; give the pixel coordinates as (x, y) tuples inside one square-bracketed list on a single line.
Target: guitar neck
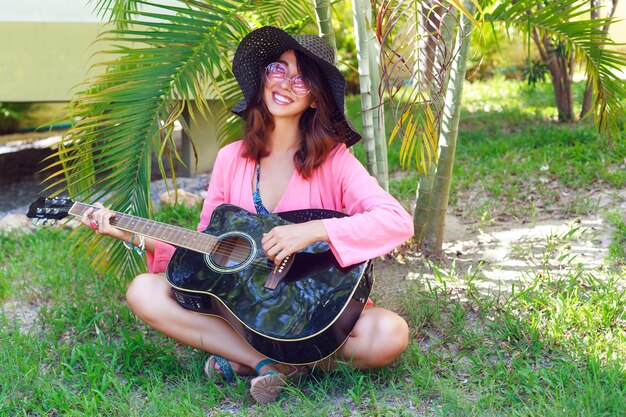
[(174, 235)]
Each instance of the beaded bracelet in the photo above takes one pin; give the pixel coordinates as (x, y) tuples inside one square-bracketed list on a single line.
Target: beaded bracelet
[(141, 249), (129, 244)]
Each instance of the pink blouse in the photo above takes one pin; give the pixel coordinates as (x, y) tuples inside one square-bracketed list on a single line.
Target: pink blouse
[(377, 222)]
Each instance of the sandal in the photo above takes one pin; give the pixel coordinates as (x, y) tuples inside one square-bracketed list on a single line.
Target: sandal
[(266, 387), (227, 374)]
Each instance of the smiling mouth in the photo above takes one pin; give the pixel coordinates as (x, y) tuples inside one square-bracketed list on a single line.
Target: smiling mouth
[(280, 99)]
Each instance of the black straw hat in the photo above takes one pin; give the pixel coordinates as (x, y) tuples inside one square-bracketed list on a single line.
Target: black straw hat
[(261, 46)]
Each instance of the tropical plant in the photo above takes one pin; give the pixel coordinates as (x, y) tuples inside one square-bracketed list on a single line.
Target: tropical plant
[(11, 114), (429, 228), (596, 6), (564, 36), (420, 108), (424, 58), (163, 59), (374, 139), (534, 71), (323, 12)]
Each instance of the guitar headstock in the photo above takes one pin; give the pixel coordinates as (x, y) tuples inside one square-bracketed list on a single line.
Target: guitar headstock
[(49, 209)]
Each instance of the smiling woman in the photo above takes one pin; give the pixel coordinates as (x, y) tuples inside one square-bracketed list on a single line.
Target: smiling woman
[(286, 96), (290, 221)]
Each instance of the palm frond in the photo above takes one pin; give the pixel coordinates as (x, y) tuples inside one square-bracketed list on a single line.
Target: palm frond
[(586, 39), (114, 10), (166, 58), (418, 48), (285, 13)]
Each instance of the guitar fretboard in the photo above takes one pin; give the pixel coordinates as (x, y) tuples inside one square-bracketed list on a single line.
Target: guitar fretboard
[(178, 236)]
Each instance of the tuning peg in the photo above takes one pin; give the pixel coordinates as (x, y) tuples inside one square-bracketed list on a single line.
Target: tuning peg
[(45, 222), (35, 222)]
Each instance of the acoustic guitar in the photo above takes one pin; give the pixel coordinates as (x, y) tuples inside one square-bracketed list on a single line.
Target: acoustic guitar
[(298, 312)]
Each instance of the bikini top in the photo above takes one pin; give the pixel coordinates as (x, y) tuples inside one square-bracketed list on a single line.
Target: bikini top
[(256, 195)]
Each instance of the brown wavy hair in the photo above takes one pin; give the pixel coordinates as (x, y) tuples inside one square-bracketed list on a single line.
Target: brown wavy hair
[(318, 136)]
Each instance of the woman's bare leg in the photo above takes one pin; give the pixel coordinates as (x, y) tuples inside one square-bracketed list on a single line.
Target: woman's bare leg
[(150, 297), (378, 337)]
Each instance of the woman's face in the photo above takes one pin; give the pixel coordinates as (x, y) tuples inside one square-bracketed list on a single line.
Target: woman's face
[(279, 98)]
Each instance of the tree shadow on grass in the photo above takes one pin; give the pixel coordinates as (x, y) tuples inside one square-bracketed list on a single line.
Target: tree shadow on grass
[(555, 347)]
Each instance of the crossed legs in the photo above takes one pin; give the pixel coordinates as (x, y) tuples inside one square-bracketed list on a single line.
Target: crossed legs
[(378, 337)]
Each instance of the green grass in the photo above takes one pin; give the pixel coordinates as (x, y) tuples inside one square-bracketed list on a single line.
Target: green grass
[(617, 248), (509, 146), (553, 345)]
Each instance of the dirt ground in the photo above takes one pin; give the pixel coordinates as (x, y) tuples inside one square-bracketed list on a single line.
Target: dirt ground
[(498, 254), (505, 251)]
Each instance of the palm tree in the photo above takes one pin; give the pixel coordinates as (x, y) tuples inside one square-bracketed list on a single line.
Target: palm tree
[(365, 85), (595, 14), (163, 59), (436, 204), (420, 115), (424, 56), (325, 20), (564, 32), (561, 60)]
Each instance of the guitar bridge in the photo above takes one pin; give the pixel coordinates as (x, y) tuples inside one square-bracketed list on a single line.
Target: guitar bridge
[(279, 272)]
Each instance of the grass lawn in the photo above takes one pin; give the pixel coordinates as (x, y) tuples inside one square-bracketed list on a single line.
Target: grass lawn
[(553, 344)]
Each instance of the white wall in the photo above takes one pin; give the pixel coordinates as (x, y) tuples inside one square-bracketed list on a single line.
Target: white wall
[(47, 11), (47, 47), (57, 10)]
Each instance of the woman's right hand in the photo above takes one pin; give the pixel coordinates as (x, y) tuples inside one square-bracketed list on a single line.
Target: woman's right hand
[(99, 220)]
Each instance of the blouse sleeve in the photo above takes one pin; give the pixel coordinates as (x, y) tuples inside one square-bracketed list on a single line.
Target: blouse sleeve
[(216, 194), (377, 222), (158, 260)]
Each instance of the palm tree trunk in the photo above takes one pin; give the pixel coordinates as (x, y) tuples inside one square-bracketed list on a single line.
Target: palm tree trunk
[(365, 85), (432, 231), (325, 22), (561, 66), (378, 114), (425, 187), (429, 15)]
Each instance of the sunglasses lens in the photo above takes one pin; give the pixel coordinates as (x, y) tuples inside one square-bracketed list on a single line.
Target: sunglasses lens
[(276, 74), (299, 86)]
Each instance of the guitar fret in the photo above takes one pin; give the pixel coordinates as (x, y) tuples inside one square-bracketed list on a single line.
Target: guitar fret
[(78, 209), (169, 231), (194, 243), (141, 227), (125, 221), (174, 235)]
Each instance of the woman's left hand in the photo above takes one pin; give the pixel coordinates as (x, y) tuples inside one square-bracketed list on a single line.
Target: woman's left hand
[(282, 241)]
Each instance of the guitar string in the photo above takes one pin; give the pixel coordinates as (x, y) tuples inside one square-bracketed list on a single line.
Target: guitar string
[(229, 249)]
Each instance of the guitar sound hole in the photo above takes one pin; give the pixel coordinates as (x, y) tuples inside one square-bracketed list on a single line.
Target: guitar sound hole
[(231, 251)]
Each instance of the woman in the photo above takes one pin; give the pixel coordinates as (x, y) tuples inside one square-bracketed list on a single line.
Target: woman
[(294, 155)]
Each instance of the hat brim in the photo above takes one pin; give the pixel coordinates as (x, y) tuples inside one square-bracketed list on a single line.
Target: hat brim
[(262, 46)]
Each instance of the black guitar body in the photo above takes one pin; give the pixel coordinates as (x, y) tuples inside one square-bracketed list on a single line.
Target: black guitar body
[(309, 314)]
